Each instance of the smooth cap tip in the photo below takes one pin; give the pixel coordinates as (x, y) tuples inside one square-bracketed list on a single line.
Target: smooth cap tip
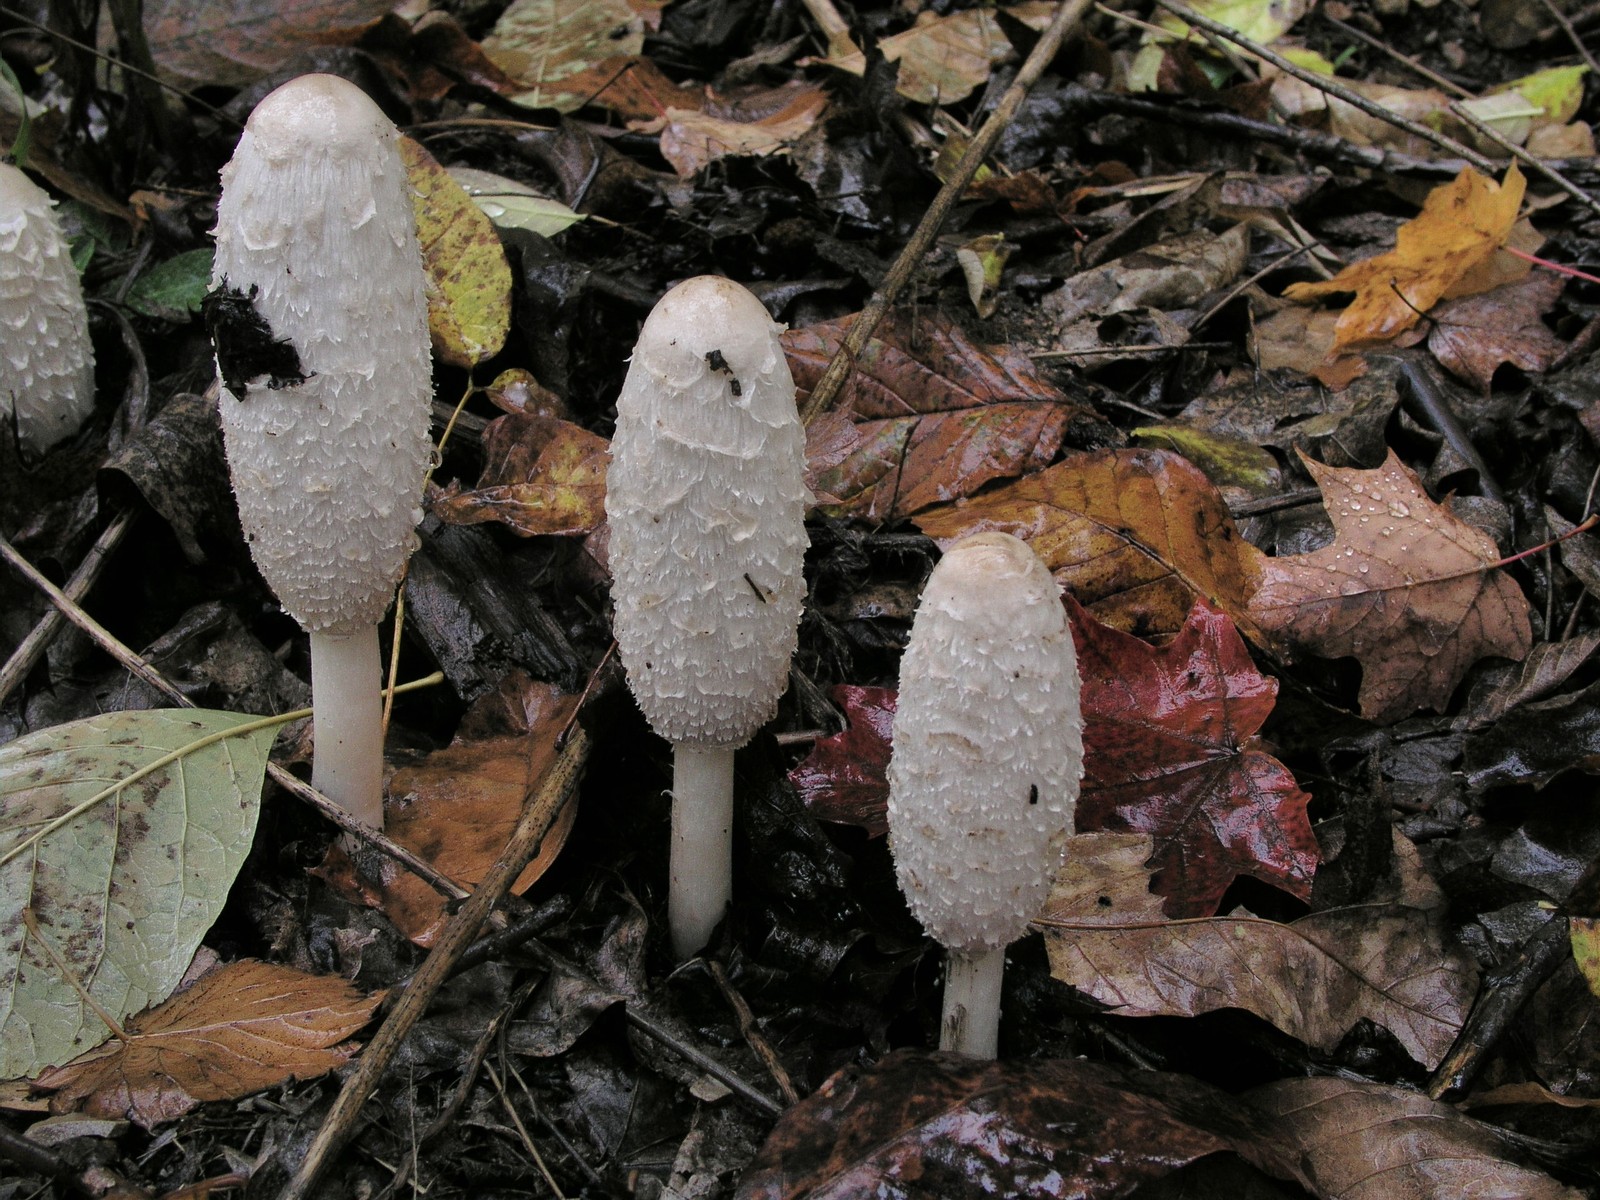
[(316, 110)]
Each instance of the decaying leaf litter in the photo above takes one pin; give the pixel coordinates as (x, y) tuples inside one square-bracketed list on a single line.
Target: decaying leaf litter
[(1260, 338)]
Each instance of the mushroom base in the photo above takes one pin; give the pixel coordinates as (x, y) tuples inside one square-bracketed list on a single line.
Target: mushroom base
[(347, 719), (702, 844), (971, 1021)]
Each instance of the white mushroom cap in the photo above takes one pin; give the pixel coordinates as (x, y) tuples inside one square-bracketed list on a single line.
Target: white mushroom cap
[(46, 359), (988, 745), (706, 497), (316, 221)]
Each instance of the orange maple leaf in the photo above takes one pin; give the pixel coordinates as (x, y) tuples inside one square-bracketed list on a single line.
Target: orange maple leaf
[(1461, 225)]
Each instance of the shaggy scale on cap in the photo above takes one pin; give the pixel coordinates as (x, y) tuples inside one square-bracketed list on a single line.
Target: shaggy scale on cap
[(318, 263), (706, 497), (988, 745)]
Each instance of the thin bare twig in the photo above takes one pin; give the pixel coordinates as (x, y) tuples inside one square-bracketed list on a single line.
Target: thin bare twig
[(137, 666), (1572, 34), (32, 648), (1404, 60), (866, 323), (1330, 87), (752, 1036), (1532, 162), (540, 812)]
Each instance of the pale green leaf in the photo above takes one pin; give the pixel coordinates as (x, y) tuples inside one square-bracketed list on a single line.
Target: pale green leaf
[(511, 204), (120, 836), (173, 289), (1555, 91)]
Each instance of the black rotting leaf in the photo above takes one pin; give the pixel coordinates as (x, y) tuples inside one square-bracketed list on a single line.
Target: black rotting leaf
[(175, 465), (248, 351)]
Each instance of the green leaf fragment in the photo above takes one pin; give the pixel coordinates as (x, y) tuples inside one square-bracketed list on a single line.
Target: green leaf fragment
[(172, 290)]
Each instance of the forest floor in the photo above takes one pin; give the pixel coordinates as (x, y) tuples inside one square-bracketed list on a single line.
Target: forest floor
[(1275, 341)]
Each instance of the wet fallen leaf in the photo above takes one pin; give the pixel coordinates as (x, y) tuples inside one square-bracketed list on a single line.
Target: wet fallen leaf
[(1171, 274), (541, 476), (631, 86), (241, 1028), (1104, 881), (1263, 21), (937, 416), (548, 46), (1227, 461), (1461, 225), (469, 292), (1556, 91), (754, 127), (1391, 963), (844, 777), (1135, 535), (120, 837), (1474, 336), (1366, 1141), (919, 1126), (1537, 741), (229, 43), (1406, 587), (944, 59), (1168, 751), (457, 808), (511, 204)]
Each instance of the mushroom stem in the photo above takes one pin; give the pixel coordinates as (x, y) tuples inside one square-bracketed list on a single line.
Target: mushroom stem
[(702, 844), (347, 717), (971, 1021)]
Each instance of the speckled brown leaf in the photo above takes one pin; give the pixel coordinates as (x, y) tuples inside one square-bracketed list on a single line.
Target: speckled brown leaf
[(1135, 535), (548, 46), (1367, 1141), (233, 42), (457, 807), (844, 778), (469, 280), (906, 464), (1474, 336), (944, 59), (1314, 978), (938, 416), (541, 475), (241, 1028), (921, 1126), (631, 86), (1406, 587), (1169, 751), (911, 365)]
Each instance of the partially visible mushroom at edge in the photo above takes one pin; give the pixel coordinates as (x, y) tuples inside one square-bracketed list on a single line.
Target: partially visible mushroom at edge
[(46, 358)]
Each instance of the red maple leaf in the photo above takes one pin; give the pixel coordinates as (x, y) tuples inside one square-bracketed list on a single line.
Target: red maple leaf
[(843, 779), (1167, 751)]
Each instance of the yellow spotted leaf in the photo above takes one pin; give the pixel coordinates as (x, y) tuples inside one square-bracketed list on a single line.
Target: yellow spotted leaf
[(469, 280)]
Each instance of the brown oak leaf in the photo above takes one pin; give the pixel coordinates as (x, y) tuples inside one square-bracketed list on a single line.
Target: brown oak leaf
[(1406, 587), (243, 1027)]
